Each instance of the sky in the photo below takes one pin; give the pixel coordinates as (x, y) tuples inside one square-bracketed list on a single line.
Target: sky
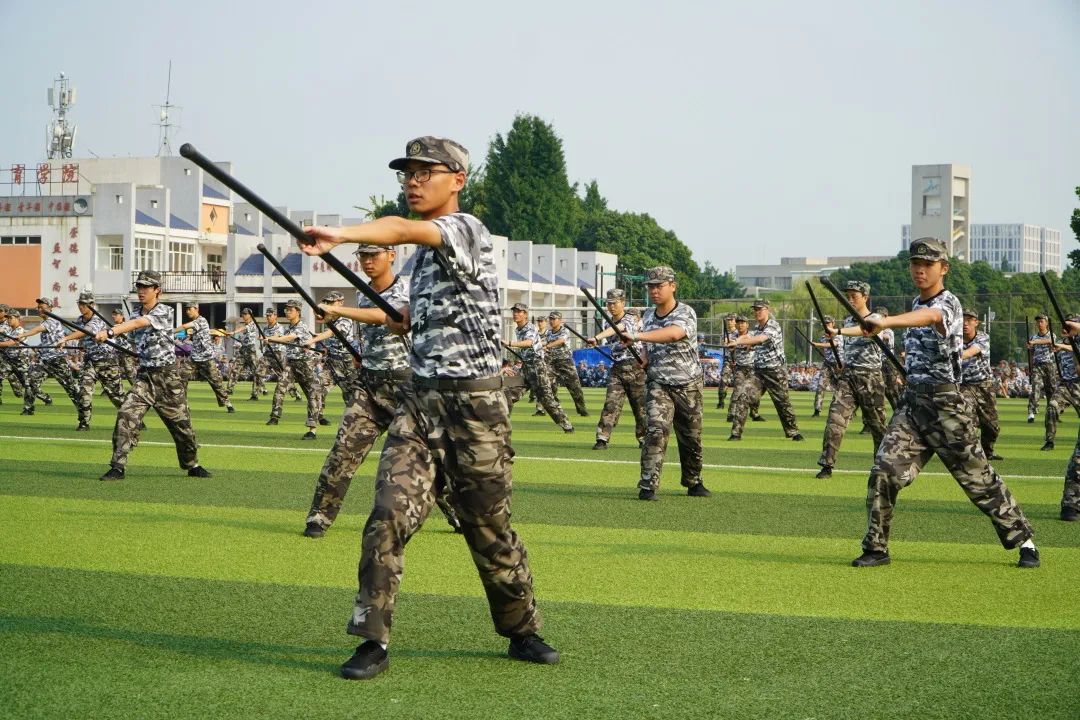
[(754, 130)]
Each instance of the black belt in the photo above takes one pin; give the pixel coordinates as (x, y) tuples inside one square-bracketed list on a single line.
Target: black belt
[(927, 389), (399, 375), (496, 382)]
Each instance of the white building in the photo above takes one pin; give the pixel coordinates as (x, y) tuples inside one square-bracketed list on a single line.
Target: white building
[(795, 270), (940, 205), (1026, 248)]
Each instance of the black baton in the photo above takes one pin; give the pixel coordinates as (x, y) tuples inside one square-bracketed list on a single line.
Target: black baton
[(859, 319), (76, 328), (1061, 316), (611, 322)]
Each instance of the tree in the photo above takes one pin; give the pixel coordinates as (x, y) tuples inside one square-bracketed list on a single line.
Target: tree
[(640, 244), (714, 284), (1005, 266), (525, 191)]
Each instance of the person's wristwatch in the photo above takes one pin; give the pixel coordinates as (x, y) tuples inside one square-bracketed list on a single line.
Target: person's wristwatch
[(109, 332)]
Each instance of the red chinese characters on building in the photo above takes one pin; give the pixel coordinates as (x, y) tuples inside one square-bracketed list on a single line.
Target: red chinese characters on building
[(73, 287), (56, 287), (44, 171), (73, 271), (56, 264), (73, 248), (56, 249), (17, 173), (73, 233), (69, 171)]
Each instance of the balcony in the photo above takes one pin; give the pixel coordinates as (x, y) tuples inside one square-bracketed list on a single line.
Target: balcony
[(190, 282)]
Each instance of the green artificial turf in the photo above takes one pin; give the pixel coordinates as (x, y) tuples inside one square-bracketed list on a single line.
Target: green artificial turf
[(166, 596)]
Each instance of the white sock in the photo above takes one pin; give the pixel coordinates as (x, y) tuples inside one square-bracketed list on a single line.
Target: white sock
[(383, 645), (1028, 544)]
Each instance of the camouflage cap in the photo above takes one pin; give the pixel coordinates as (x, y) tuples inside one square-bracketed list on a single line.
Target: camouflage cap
[(293, 303), (246, 311), (741, 319), (365, 249), (4, 309), (882, 310), (614, 295), (829, 319), (519, 307), (148, 278), (760, 303), (730, 316), (1042, 316), (86, 298), (555, 315), (333, 296), (435, 150), (971, 314), (1071, 318), (858, 286), (659, 274), (190, 302), (271, 310), (928, 248), (44, 301)]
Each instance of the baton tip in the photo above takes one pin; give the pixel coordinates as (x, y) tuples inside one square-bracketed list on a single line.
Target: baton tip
[(187, 150)]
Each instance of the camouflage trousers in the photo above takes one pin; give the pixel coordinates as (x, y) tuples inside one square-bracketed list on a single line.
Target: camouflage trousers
[(345, 375), (563, 372), (982, 405), (19, 368), (892, 383), (129, 367), (163, 390), (726, 378), (626, 381), (1044, 381), (59, 370), (367, 416), (1068, 393), (743, 381), (538, 380), (775, 382), (302, 372), (107, 371), (7, 372), (667, 406), (826, 381), (467, 435), (246, 357), (207, 370), (280, 367), (1070, 496), (929, 423), (863, 389)]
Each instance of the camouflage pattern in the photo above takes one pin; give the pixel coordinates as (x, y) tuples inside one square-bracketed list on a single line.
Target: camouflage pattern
[(930, 358), (982, 404), (827, 380), (562, 372), (302, 372), (202, 347), (674, 363), (929, 423), (248, 356), (206, 370), (893, 383), (860, 353), (467, 435), (538, 379), (107, 371), (744, 383), (775, 382), (976, 369), (51, 334), (154, 343), (827, 351), (58, 369), (727, 372), (668, 406), (769, 354), (1070, 496), (1043, 354), (1067, 394), (535, 351), (629, 323), (18, 364), (928, 248), (91, 349), (127, 364), (435, 150), (10, 362), (455, 316), (626, 380), (383, 350), (659, 274), (1044, 382), (864, 389), (162, 389), (559, 352), (275, 360)]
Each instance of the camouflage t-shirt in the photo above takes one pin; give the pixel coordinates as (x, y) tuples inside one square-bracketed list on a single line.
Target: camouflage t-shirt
[(1043, 352), (154, 343), (94, 350), (454, 303), (383, 350), (11, 353), (559, 352), (535, 351), (743, 355), (976, 369), (619, 352), (293, 350), (202, 347), (333, 346), (827, 351), (933, 359), (248, 337), (860, 353), (1067, 361), (674, 363), (769, 354), (52, 333)]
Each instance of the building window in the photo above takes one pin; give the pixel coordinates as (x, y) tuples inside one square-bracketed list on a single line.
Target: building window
[(153, 203), (119, 199), (181, 256), (146, 253), (20, 240), (110, 257)]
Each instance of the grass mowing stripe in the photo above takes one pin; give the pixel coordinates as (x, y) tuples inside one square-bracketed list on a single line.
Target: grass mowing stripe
[(737, 573)]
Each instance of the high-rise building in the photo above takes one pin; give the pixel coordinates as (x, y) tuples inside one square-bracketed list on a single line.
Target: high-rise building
[(940, 205), (1022, 247)]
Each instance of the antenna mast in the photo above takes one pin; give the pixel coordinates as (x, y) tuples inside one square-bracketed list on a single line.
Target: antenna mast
[(59, 135), (165, 124)]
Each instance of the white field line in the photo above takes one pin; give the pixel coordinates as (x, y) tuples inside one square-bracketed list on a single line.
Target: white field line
[(709, 466)]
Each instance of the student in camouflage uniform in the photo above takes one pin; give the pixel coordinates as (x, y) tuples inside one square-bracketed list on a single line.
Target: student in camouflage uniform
[(742, 375), (977, 383), (339, 361), (1044, 374), (203, 365), (828, 377), (1070, 496), (673, 385), (770, 373), (297, 341), (248, 355), (1068, 391), (52, 362), (129, 365), (541, 330), (456, 418), (384, 373), (727, 372), (561, 362), (158, 384), (18, 359), (7, 361), (626, 377), (888, 370), (934, 418), (275, 354), (530, 347), (99, 361), (860, 384)]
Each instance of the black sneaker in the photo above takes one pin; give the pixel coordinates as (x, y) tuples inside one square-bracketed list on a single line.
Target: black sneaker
[(871, 558), (600, 445), (757, 418), (47, 400), (323, 421), (199, 471), (114, 473), (1069, 514), (368, 661), (1029, 558), (532, 648), (253, 397), (82, 426), (1048, 445), (825, 473), (733, 436), (646, 494), (797, 437), (583, 414), (27, 411), (309, 435), (539, 413), (314, 530), (142, 425), (230, 409), (272, 421), (730, 418), (817, 413), (1031, 418), (720, 405), (698, 490), (865, 430), (994, 456), (568, 429)]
